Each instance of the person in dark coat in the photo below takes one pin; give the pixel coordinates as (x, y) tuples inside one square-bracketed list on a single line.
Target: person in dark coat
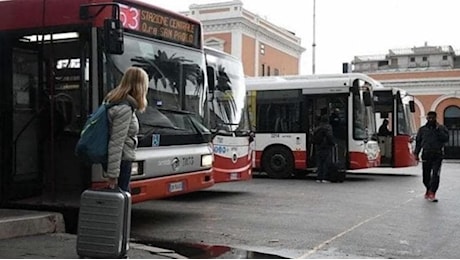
[(383, 129), (430, 140), (323, 149)]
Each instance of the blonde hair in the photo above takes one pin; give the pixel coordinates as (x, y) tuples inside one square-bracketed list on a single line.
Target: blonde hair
[(135, 82)]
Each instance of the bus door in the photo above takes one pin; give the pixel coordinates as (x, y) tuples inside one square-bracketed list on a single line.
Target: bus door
[(20, 126), (46, 102), (404, 137), (384, 111), (6, 116), (336, 109)]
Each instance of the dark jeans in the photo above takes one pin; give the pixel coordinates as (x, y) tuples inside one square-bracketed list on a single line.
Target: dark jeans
[(125, 175), (323, 162), (431, 170)]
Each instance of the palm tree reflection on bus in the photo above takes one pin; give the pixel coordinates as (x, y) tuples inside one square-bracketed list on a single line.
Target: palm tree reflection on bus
[(168, 111)]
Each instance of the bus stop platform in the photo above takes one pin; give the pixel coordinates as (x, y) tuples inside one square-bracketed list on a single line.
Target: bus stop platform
[(37, 234)]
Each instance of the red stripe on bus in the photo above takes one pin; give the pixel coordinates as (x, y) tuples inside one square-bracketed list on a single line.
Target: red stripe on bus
[(158, 188), (226, 170)]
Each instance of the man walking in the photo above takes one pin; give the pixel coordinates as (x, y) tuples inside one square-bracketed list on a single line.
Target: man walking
[(430, 140)]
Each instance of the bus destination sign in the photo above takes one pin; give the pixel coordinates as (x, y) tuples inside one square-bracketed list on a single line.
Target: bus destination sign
[(161, 25)]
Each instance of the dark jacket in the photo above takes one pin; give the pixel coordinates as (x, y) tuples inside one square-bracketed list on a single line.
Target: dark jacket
[(431, 138), (383, 131), (328, 138)]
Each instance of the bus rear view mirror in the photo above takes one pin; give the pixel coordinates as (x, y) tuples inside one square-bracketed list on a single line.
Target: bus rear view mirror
[(367, 99), (113, 36), (211, 73), (412, 106)]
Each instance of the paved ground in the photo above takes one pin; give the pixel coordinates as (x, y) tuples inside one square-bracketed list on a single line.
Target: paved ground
[(36, 234), (62, 245)]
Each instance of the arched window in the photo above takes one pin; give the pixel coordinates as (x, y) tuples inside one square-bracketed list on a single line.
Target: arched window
[(452, 122), (452, 112), (452, 117)]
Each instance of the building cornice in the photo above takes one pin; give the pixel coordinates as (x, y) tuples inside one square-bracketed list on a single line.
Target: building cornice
[(253, 30), (426, 86), (231, 17)]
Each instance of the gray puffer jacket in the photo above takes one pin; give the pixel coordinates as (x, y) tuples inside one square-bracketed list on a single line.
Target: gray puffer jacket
[(123, 136)]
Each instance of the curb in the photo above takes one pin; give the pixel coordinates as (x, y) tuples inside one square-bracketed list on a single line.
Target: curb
[(18, 223)]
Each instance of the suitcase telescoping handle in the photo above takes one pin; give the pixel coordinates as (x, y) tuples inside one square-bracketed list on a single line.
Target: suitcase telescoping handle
[(116, 189)]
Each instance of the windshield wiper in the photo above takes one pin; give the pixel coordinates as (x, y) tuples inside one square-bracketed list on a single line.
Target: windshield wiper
[(195, 123), (175, 111), (243, 132), (163, 126)]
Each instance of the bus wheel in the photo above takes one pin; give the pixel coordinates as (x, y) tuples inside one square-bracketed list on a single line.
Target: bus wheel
[(278, 163)]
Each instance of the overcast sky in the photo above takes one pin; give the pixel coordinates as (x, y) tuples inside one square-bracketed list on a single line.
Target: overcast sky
[(348, 28)]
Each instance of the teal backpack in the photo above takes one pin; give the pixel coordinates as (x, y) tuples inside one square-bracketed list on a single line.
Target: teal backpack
[(93, 144)]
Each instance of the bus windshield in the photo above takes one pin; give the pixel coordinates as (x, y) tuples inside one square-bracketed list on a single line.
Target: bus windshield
[(176, 85), (228, 97), (244, 128)]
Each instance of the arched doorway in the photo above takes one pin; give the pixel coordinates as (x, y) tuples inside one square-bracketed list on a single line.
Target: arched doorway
[(452, 122)]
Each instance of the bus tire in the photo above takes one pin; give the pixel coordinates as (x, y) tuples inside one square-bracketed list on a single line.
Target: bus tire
[(278, 163)]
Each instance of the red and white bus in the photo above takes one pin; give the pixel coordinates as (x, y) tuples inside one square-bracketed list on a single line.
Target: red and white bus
[(229, 118), (286, 109), (398, 107), (58, 61)]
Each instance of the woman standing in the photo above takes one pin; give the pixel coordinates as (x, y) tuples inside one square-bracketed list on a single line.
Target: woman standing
[(130, 95)]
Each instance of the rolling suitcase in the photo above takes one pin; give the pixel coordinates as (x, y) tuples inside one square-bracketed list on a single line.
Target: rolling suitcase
[(104, 222), (335, 174)]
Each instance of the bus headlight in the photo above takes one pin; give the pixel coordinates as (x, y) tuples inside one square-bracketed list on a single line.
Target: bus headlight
[(137, 168), (206, 160), (372, 150)]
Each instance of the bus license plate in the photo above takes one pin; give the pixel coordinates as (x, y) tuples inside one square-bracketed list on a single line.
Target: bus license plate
[(176, 186), (234, 176)]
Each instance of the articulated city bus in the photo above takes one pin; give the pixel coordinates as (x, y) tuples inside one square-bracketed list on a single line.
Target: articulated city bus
[(286, 110), (229, 118), (397, 107), (58, 59)]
